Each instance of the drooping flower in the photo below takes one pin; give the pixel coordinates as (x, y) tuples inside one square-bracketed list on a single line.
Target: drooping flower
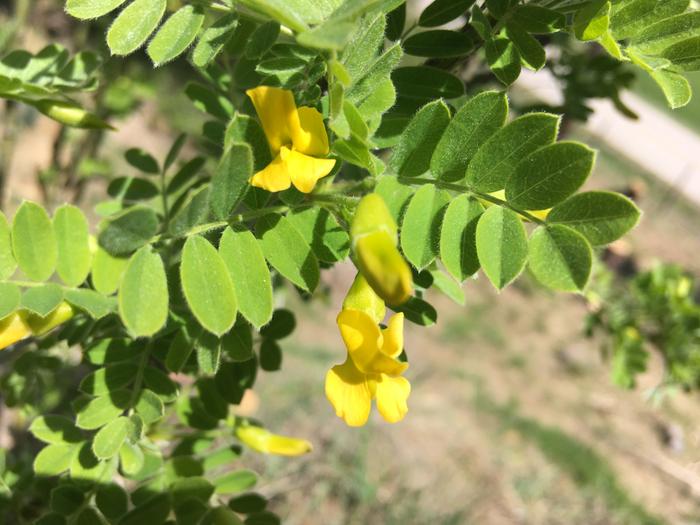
[(371, 370), (297, 138), (266, 442), (374, 239)]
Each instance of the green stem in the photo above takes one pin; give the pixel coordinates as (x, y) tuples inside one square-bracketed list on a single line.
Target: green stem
[(139, 376), (479, 195)]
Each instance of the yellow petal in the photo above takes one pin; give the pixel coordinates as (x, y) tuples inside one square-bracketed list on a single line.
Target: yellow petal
[(392, 394), (393, 336), (42, 325), (266, 442), (364, 341), (278, 115), (304, 170), (348, 392), (311, 137), (372, 215), (13, 328), (384, 268), (274, 177), (362, 296)]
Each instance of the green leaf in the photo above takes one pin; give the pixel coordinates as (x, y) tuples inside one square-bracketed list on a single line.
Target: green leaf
[(104, 380), (101, 410), (134, 25), (262, 39), (34, 241), (395, 194), (109, 439), (244, 129), (438, 43), (332, 36), (320, 229), (209, 101), (448, 286), (379, 71), (501, 244), (593, 20), (282, 325), (55, 429), (87, 9), (442, 11), (600, 216), (66, 499), (10, 297), (131, 459), (160, 383), (458, 237), (7, 258), (72, 238), (181, 348), (657, 37), (207, 286), (411, 156), (630, 18), (143, 294), (234, 378), (194, 212), (549, 175), (208, 349), (107, 271), (531, 52), (112, 500), (503, 59), (42, 300), (287, 251), (270, 356), (676, 87), (495, 161), (230, 180), (419, 85), (538, 20), (142, 161), (238, 343), (54, 459), (359, 54), (420, 230), (236, 481), (176, 34), (418, 312), (684, 55), (213, 40), (86, 467), (112, 350), (95, 304), (155, 510), (129, 231), (149, 406), (471, 126), (560, 258)]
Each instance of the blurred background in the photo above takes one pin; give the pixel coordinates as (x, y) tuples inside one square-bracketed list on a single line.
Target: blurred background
[(527, 407)]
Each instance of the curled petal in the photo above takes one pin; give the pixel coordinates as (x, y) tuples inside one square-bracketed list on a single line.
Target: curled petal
[(274, 177), (393, 336), (362, 296), (266, 442), (311, 137), (278, 115), (304, 170), (392, 395), (13, 328), (348, 392)]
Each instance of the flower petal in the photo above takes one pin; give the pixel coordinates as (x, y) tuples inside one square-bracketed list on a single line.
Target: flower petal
[(311, 137), (393, 336), (348, 392), (384, 268), (304, 170), (363, 338), (13, 328), (266, 442), (392, 394), (274, 177), (278, 115)]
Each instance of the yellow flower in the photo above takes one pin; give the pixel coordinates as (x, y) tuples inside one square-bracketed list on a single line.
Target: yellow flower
[(371, 370), (21, 325), (266, 442), (297, 138), (374, 239)]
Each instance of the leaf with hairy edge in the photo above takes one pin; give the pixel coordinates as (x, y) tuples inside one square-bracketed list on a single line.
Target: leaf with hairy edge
[(675, 86), (496, 160), (54, 459), (600, 216), (244, 258), (230, 179), (72, 237), (458, 237), (95, 304), (395, 194), (10, 297), (442, 11), (503, 59), (109, 439), (87, 9), (549, 175), (143, 294), (213, 40), (420, 230), (593, 20), (471, 126), (42, 300), (7, 258), (328, 240), (560, 258), (129, 230), (629, 18), (176, 34), (532, 53), (134, 25), (287, 251), (101, 410), (657, 37), (501, 244), (34, 241), (107, 271), (411, 156), (207, 286), (438, 43)]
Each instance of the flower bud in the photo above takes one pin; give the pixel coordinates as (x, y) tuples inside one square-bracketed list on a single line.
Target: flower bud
[(266, 442), (362, 296), (70, 114)]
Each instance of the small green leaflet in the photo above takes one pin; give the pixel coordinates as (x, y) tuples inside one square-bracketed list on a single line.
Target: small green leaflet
[(458, 237), (74, 258), (7, 258), (134, 25), (560, 258), (420, 229), (501, 244), (34, 241), (176, 34), (87, 9)]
